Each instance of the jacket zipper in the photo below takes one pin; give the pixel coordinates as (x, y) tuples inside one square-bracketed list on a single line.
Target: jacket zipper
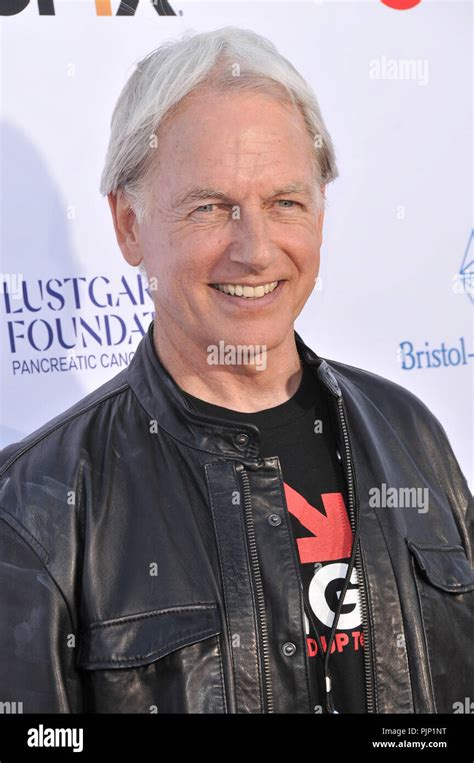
[(358, 562), (327, 679), (252, 544), (261, 602), (308, 612)]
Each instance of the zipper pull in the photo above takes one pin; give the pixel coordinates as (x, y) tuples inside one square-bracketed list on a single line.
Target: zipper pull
[(330, 705)]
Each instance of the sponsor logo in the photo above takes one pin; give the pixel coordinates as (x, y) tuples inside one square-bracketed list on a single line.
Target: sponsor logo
[(401, 5), (73, 324), (463, 281), (442, 356), (102, 7)]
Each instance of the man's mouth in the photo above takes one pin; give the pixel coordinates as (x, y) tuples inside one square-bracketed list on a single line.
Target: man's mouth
[(246, 291)]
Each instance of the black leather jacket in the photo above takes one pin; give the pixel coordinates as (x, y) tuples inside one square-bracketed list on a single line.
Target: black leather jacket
[(139, 571)]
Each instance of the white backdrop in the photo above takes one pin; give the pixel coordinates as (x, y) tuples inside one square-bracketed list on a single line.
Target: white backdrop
[(394, 89)]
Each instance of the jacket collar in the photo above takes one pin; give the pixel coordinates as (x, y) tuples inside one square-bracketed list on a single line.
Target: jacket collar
[(165, 403)]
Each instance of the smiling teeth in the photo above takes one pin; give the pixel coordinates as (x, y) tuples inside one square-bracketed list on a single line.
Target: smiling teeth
[(241, 290)]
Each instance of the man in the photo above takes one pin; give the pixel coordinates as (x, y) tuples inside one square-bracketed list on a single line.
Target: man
[(233, 524)]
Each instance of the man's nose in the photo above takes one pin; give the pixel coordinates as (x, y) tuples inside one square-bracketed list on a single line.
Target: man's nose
[(252, 245)]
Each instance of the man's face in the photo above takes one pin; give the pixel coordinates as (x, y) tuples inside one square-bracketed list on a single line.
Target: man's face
[(224, 212)]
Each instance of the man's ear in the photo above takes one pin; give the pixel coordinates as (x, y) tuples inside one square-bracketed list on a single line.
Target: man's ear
[(125, 224), (321, 212)]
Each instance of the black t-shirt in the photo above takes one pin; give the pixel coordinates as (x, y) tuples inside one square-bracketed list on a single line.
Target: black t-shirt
[(301, 433)]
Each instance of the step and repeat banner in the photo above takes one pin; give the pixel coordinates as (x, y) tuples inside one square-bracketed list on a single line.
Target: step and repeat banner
[(395, 292)]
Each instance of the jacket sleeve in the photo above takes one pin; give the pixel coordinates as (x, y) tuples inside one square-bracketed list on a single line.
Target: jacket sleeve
[(456, 488), (37, 653)]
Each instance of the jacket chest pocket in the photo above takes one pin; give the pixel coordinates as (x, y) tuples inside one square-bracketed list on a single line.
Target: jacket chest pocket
[(445, 584), (164, 661)]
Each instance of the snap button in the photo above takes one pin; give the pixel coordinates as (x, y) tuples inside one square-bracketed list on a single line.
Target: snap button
[(338, 454), (288, 649), (242, 439), (274, 520)]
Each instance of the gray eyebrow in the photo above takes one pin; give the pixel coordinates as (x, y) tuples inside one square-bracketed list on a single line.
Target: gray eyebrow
[(200, 194), (294, 188)]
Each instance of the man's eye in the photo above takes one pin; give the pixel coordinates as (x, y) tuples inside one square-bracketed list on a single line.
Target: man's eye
[(287, 201), (204, 206)]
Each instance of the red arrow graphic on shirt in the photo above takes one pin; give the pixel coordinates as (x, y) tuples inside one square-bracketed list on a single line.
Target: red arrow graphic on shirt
[(332, 533)]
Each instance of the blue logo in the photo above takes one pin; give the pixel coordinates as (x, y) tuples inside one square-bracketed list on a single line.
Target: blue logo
[(465, 277)]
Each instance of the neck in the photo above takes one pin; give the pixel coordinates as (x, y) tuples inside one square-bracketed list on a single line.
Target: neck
[(243, 387)]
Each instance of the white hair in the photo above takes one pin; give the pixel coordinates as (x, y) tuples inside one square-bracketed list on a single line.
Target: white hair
[(225, 59)]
